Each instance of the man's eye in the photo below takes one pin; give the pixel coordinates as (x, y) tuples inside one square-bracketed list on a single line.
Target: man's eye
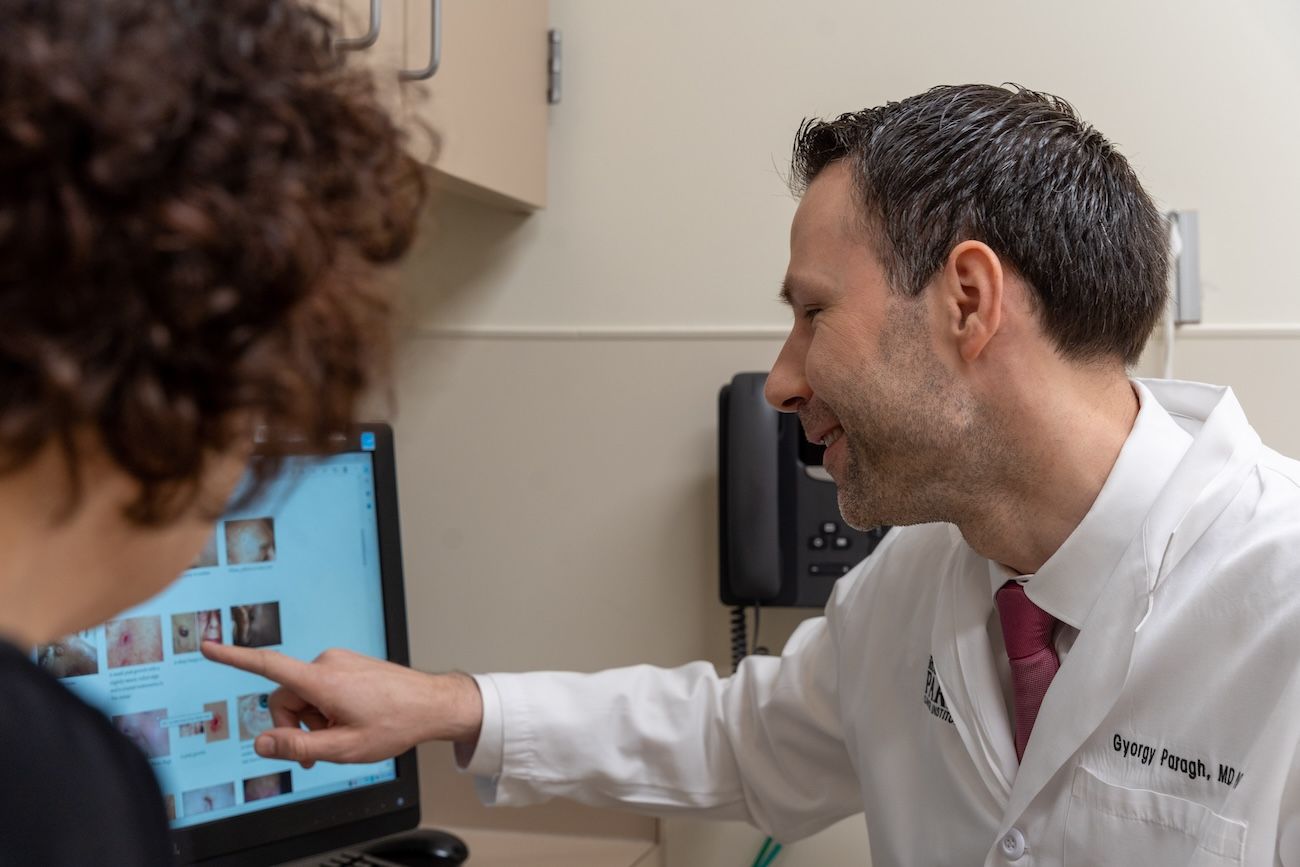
[(810, 313)]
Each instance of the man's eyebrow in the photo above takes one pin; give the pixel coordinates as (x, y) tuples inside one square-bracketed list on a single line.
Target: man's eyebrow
[(788, 289), (792, 289)]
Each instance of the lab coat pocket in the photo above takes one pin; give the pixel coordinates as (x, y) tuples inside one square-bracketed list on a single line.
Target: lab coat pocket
[(1108, 825)]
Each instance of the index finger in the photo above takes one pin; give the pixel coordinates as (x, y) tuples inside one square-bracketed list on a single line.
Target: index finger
[(268, 663)]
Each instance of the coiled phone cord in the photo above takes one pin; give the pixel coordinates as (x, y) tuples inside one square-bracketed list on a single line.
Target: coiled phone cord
[(740, 647), (739, 650)]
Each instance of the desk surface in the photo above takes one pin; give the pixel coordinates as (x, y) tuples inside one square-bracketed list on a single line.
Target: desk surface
[(489, 848)]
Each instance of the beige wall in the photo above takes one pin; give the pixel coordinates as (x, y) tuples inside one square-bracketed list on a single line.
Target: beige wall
[(558, 382), (667, 206)]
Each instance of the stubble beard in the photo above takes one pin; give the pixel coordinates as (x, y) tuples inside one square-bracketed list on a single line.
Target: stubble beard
[(892, 477), (918, 443), (933, 462)]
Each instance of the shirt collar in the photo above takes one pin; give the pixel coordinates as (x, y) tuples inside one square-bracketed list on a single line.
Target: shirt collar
[(1067, 585)]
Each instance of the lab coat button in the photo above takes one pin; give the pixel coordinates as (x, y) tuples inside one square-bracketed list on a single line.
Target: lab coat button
[(1013, 844)]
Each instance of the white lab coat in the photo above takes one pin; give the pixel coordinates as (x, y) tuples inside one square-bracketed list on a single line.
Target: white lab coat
[(1168, 737)]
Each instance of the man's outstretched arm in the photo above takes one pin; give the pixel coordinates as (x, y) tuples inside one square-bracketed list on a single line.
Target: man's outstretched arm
[(346, 707), (763, 746)]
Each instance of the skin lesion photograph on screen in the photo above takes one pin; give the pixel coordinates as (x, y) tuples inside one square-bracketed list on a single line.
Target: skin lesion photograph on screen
[(213, 725), (250, 540), (254, 715), (185, 635), (255, 625), (268, 786), (217, 726), (208, 624), (207, 558), (73, 656), (146, 730), (192, 628), (134, 641), (208, 799)]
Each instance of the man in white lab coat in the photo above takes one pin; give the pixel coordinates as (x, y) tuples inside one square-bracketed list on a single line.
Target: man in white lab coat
[(1080, 647)]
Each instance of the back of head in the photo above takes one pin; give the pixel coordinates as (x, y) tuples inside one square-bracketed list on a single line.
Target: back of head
[(195, 197), (1021, 172)]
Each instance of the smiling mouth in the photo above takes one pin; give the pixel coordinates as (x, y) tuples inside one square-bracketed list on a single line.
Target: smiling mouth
[(832, 436)]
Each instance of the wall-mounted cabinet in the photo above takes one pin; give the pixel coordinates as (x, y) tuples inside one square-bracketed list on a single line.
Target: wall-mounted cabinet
[(486, 101)]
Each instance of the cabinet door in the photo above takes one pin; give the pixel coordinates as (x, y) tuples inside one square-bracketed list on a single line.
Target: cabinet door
[(388, 53), (487, 101)]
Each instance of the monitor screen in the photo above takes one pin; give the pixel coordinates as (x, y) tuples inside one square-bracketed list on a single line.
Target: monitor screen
[(298, 570)]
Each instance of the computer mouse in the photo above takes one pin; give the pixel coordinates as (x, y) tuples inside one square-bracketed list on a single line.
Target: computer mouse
[(423, 847)]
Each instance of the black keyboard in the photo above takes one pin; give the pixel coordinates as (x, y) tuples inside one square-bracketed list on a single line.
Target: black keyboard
[(355, 859)]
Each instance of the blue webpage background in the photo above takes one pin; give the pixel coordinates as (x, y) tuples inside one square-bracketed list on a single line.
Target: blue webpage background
[(323, 574)]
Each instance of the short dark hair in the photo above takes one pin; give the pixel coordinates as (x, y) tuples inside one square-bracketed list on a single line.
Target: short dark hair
[(195, 199), (1020, 171)]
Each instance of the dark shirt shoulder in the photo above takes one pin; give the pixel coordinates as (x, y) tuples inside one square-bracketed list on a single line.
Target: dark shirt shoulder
[(73, 790)]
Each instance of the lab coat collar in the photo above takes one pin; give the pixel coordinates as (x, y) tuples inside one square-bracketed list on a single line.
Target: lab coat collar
[(1223, 452), (967, 670), (1068, 584)]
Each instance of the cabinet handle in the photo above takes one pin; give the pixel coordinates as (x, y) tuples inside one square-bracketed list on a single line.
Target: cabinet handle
[(435, 49), (357, 43)]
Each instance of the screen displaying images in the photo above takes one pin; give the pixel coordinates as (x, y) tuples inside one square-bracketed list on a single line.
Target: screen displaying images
[(296, 572)]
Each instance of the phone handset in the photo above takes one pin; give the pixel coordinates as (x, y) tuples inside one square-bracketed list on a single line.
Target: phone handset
[(751, 531)]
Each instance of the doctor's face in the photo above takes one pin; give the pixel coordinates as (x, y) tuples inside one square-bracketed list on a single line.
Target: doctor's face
[(860, 368)]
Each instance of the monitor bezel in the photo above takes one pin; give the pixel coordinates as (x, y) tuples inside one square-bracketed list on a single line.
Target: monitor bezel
[(332, 821)]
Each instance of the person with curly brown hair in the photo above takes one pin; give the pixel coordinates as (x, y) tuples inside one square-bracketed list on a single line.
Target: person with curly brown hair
[(196, 201)]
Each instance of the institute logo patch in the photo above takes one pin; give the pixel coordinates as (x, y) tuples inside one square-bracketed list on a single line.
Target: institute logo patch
[(934, 695)]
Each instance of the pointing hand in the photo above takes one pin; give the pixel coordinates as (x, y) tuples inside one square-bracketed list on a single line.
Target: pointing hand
[(346, 707)]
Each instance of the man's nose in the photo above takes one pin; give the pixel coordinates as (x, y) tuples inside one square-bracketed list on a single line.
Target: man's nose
[(787, 389)]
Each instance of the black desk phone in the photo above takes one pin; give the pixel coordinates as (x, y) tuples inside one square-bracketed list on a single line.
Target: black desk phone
[(782, 541)]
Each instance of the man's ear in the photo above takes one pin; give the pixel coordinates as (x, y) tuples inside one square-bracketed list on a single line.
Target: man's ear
[(969, 292)]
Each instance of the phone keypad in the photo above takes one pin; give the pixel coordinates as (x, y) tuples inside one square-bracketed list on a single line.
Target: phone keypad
[(835, 569), (829, 537), (833, 539)]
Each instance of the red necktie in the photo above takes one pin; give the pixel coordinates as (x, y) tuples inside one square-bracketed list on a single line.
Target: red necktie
[(1027, 634)]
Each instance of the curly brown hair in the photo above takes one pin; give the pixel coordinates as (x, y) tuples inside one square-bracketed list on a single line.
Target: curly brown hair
[(196, 197)]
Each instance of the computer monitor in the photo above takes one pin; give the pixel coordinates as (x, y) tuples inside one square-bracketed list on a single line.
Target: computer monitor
[(313, 563)]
